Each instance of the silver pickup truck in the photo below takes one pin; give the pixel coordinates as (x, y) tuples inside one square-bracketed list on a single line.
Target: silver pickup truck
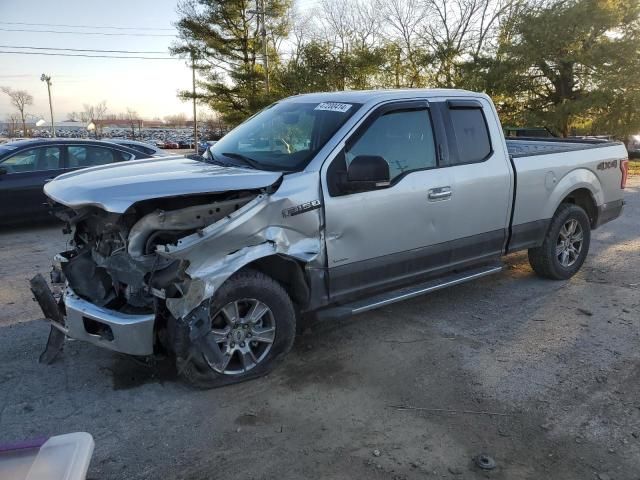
[(329, 203)]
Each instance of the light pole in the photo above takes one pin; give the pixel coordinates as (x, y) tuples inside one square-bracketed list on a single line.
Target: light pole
[(46, 78), (195, 120), (262, 13)]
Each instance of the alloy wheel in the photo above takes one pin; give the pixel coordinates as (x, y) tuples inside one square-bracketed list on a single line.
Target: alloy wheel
[(569, 243), (244, 330)]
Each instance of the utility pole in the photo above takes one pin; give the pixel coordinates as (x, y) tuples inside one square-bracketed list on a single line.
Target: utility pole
[(262, 26), (263, 33), (46, 78), (195, 120)]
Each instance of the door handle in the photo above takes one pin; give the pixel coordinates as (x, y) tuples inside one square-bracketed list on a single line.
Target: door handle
[(439, 193)]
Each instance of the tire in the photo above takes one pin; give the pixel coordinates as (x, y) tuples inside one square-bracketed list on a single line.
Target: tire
[(555, 259), (244, 291)]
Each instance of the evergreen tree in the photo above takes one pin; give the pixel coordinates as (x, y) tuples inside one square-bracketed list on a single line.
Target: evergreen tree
[(224, 37), (572, 65)]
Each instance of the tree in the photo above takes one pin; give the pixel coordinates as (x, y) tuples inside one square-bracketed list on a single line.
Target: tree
[(94, 114), (178, 120), (405, 20), (20, 99), (13, 120), (224, 39), (571, 65), (133, 120)]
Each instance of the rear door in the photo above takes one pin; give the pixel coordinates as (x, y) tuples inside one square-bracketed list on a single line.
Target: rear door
[(480, 179), (28, 170)]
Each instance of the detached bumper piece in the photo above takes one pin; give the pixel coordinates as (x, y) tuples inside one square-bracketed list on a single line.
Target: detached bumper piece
[(51, 311), (121, 332)]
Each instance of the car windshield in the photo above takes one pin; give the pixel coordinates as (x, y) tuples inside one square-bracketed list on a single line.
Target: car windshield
[(284, 136)]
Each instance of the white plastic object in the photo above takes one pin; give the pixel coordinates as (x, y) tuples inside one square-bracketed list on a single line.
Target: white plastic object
[(64, 457)]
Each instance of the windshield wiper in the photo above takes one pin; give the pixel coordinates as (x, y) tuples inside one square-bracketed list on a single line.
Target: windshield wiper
[(244, 159), (219, 161)]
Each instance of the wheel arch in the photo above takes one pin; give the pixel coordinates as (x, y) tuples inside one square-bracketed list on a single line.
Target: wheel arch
[(583, 198), (580, 187), (289, 272)]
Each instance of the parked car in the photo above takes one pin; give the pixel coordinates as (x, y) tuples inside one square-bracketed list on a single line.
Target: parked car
[(382, 196), (25, 167), (143, 147), (633, 147), (170, 144), (537, 132)]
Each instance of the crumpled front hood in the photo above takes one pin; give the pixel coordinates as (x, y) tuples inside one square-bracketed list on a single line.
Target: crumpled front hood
[(116, 187)]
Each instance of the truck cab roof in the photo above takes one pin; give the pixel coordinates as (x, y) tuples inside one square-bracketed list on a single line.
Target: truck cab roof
[(374, 96)]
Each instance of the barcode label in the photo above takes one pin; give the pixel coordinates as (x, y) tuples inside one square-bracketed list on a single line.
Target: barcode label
[(333, 107)]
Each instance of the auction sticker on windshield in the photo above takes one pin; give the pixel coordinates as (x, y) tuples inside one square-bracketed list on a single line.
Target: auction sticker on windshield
[(333, 107)]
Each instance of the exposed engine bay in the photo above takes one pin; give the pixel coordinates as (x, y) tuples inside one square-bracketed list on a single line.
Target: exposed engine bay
[(117, 261), (144, 264)]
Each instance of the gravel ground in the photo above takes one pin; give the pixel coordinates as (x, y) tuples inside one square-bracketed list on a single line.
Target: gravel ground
[(543, 376)]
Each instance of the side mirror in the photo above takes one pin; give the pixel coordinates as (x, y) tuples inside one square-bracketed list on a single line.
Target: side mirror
[(3, 171), (367, 172)]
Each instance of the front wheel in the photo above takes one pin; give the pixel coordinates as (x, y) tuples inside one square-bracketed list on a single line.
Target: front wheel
[(565, 245), (250, 326)]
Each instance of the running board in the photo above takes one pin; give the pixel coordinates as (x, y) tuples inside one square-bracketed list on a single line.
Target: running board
[(399, 295)]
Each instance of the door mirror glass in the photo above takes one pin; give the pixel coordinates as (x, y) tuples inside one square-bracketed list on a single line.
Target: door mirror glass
[(368, 172)]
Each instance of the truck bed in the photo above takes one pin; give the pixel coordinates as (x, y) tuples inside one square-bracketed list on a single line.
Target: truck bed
[(525, 147)]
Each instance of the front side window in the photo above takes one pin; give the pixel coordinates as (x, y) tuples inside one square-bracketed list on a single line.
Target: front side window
[(471, 134), (403, 138), (284, 136), (33, 160), (81, 156)]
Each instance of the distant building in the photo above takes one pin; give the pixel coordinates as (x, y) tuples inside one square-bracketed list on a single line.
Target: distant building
[(67, 125)]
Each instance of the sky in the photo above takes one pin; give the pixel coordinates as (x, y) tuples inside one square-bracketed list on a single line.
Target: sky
[(146, 86)]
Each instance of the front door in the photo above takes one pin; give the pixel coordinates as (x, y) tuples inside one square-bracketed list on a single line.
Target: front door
[(376, 238), (26, 172)]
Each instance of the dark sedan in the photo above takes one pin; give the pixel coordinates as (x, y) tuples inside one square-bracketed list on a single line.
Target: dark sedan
[(25, 166)]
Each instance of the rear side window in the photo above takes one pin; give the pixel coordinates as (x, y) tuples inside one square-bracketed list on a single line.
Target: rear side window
[(471, 135), (140, 148), (89, 156)]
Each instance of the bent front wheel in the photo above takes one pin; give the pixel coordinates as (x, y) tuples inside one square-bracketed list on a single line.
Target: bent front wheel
[(250, 326)]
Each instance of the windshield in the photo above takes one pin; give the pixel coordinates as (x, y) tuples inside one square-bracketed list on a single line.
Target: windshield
[(284, 136)]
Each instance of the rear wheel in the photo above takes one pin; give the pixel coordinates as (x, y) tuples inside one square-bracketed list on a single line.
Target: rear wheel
[(565, 245), (249, 327)]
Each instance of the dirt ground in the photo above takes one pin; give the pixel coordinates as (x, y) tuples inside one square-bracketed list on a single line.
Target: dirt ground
[(543, 376)]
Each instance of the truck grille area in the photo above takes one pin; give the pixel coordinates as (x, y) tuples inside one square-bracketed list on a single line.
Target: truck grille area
[(99, 268)]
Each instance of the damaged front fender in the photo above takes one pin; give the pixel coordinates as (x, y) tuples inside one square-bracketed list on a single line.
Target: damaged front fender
[(262, 227)]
